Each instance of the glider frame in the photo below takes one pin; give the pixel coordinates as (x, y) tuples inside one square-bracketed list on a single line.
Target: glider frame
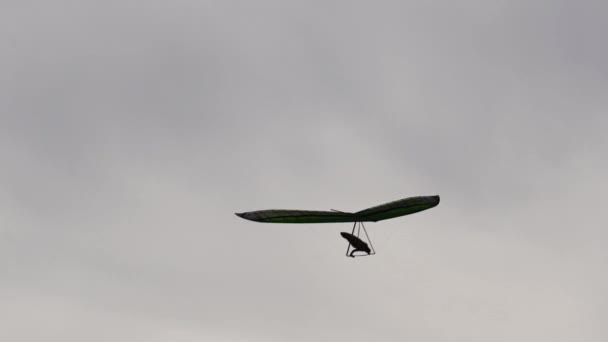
[(373, 251)]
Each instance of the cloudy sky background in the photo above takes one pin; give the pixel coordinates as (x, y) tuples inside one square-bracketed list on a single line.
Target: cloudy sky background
[(131, 131)]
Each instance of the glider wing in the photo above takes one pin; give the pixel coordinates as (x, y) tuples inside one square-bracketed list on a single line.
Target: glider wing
[(389, 210), (297, 216), (397, 208)]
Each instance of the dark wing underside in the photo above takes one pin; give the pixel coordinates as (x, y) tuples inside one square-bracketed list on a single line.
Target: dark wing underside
[(389, 210), (397, 208), (297, 216)]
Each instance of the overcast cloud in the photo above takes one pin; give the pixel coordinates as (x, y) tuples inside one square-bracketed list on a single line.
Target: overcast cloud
[(131, 131)]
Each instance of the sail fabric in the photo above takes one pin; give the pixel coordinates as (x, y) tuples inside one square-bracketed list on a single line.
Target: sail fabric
[(381, 212), (397, 208), (296, 216)]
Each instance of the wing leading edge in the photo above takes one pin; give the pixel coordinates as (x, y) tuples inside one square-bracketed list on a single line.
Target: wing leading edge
[(381, 212)]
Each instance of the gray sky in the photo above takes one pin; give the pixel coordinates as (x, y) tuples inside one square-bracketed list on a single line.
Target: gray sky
[(131, 131)]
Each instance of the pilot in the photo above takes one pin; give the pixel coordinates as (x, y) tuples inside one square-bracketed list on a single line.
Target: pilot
[(358, 244)]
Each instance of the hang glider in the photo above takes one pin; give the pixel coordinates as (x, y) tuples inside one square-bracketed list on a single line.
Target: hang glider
[(381, 212)]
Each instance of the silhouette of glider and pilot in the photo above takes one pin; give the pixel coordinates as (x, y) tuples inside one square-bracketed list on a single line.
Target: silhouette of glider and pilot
[(385, 211)]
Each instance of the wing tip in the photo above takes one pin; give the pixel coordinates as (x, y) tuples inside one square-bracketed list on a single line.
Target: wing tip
[(247, 216)]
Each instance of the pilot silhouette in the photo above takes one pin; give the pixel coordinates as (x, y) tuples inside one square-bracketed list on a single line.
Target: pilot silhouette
[(358, 244)]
